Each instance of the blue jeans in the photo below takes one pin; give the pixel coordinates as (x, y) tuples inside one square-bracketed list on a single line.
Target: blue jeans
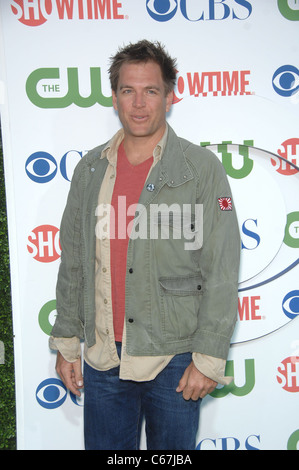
[(114, 409)]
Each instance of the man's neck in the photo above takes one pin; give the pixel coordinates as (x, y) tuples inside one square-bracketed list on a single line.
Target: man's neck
[(139, 149)]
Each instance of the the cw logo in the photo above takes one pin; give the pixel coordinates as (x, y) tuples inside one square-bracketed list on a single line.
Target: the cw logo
[(43, 90), (232, 388)]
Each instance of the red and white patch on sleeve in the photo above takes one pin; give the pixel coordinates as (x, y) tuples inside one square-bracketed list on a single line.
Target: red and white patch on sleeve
[(225, 203)]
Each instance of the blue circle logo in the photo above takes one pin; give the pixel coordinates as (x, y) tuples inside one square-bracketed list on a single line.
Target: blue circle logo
[(51, 394), (41, 167), (286, 80), (162, 10), (290, 304)]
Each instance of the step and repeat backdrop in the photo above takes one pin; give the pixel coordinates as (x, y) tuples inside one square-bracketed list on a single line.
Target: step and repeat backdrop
[(237, 93)]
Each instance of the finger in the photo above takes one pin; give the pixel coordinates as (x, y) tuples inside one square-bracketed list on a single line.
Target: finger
[(194, 391), (207, 389), (72, 385), (78, 373), (182, 383), (66, 372), (194, 394), (184, 380), (187, 393), (68, 380)]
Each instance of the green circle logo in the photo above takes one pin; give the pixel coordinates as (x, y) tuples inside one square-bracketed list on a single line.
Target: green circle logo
[(291, 237), (44, 317)]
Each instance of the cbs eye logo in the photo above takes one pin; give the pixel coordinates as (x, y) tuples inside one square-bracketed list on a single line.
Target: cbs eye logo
[(162, 10), (285, 80), (290, 304), (52, 393), (42, 167)]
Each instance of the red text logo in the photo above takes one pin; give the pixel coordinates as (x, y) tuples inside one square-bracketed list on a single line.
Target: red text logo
[(37, 12), (212, 84), (248, 308), (288, 374), (43, 243), (290, 151)]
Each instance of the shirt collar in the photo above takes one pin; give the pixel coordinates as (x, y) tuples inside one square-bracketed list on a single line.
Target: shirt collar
[(110, 150)]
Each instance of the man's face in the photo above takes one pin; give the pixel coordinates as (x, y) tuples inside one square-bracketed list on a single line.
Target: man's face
[(141, 101)]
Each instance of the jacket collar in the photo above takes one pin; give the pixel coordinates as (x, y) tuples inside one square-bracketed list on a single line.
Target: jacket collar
[(111, 148), (174, 167)]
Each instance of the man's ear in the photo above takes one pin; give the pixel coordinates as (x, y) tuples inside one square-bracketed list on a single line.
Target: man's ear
[(169, 100)]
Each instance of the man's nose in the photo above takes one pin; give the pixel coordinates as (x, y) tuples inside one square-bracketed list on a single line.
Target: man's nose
[(139, 100)]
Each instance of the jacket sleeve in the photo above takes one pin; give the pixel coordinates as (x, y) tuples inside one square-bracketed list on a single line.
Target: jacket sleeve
[(69, 288), (69, 348), (219, 260), (212, 367)]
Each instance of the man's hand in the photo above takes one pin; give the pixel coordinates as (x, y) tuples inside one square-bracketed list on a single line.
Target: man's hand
[(194, 384), (70, 374)]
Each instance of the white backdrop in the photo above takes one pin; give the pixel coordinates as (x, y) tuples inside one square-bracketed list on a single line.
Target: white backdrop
[(238, 82)]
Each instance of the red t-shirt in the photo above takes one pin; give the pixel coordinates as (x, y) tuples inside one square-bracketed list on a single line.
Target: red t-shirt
[(127, 189)]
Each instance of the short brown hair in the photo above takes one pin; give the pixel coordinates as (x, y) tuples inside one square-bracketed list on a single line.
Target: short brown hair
[(144, 51)]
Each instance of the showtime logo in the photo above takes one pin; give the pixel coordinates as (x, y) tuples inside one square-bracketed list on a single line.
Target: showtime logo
[(290, 152), (37, 12), (43, 243), (288, 374), (205, 84), (248, 308)]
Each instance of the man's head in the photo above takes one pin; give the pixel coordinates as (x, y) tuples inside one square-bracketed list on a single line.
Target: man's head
[(142, 52)]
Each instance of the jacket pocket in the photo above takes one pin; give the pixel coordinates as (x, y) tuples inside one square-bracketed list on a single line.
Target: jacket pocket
[(180, 303)]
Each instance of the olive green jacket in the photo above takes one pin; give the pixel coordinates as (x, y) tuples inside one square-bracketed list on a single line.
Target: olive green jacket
[(182, 259)]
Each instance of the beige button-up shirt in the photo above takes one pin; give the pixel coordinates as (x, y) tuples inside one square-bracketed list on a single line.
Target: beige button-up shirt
[(103, 355)]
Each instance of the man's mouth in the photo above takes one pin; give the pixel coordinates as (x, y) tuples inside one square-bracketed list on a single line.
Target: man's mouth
[(139, 118)]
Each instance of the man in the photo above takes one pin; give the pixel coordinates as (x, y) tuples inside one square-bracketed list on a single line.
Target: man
[(156, 311)]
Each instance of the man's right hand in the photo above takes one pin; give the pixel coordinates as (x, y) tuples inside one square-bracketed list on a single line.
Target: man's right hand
[(70, 374)]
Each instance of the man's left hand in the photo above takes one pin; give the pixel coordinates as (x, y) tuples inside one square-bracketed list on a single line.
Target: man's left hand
[(194, 384)]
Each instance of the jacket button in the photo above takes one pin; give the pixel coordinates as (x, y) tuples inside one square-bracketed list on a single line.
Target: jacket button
[(199, 287), (130, 320), (130, 270)]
